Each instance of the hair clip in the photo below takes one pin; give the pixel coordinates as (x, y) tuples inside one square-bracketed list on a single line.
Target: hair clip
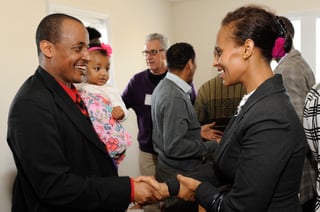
[(281, 26)]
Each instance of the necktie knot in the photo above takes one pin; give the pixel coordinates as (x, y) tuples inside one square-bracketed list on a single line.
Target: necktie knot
[(81, 105)]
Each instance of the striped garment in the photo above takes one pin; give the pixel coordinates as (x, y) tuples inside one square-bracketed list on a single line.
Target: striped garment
[(217, 102), (311, 124)]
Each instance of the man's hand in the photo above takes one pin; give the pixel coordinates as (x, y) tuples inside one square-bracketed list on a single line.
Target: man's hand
[(208, 133), (145, 193), (161, 188)]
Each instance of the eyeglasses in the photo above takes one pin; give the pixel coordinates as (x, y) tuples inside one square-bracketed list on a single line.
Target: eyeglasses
[(152, 52)]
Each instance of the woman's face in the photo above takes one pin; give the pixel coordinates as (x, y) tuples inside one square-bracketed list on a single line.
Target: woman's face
[(228, 57)]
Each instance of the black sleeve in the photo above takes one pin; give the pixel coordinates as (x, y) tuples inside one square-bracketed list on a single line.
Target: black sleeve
[(209, 197)]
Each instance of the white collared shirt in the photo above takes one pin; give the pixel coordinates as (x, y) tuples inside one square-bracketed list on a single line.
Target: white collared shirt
[(180, 82), (243, 101)]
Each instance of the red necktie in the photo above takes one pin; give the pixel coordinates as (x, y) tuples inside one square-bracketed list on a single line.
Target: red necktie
[(81, 105)]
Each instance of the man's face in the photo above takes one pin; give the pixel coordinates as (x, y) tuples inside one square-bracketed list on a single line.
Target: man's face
[(71, 55), (156, 62)]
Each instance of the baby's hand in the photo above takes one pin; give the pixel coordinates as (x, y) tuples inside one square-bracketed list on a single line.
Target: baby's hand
[(117, 113)]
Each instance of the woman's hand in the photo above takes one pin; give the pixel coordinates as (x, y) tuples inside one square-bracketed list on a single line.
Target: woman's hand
[(188, 187)]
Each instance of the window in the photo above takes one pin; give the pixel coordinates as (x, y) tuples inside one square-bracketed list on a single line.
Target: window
[(318, 50), (297, 33)]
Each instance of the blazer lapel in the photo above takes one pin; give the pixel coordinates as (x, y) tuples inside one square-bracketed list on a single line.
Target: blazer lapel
[(225, 142), (63, 101), (269, 87)]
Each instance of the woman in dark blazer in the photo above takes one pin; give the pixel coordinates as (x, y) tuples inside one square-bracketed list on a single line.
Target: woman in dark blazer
[(262, 151), (260, 158), (61, 163)]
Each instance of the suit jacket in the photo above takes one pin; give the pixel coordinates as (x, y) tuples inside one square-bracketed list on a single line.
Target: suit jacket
[(260, 156), (61, 163)]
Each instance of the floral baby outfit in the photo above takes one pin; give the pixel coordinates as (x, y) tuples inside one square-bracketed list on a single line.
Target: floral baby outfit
[(110, 131)]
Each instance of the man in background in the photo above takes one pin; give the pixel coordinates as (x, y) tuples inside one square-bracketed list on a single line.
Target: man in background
[(176, 131), (137, 95), (94, 35), (217, 103)]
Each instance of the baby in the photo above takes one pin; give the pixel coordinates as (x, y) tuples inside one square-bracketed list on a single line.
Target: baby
[(104, 104)]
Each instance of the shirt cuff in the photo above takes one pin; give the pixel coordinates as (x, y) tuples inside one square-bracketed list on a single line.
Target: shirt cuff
[(173, 186), (132, 190)]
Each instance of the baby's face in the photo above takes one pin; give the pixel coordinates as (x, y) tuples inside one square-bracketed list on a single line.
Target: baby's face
[(97, 72)]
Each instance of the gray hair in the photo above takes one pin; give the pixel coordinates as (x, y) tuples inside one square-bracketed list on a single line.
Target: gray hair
[(157, 36)]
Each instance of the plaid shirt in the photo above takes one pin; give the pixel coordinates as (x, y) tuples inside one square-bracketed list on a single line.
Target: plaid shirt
[(311, 124)]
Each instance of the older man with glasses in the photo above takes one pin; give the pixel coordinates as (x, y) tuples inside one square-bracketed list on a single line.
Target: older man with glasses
[(137, 95)]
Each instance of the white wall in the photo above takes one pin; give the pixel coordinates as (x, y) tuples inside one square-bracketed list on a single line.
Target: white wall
[(193, 21)]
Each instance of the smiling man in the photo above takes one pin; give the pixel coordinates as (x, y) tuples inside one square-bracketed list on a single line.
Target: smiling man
[(61, 163)]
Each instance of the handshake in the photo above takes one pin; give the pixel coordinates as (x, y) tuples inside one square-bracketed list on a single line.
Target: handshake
[(148, 190)]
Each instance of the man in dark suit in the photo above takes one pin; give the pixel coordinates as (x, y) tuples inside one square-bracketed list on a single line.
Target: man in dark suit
[(61, 163)]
